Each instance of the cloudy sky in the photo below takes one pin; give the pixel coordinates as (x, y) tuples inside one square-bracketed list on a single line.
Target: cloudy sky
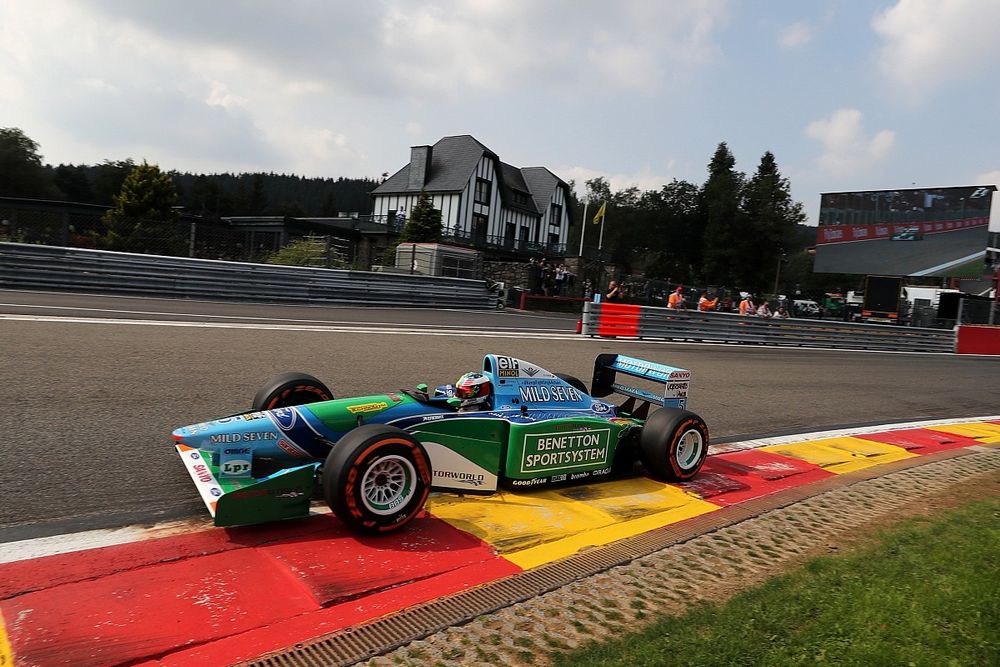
[(848, 94)]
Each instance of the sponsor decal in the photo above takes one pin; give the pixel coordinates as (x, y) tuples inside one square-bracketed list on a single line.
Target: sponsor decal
[(285, 418), (367, 407), (565, 451), (215, 491), (558, 478), (579, 475), (531, 371), (237, 450), (507, 367), (624, 421), (290, 449), (430, 418), (544, 394), (600, 407), (602, 471), (395, 398), (235, 467), (677, 386), (680, 375), (195, 455), (529, 482), (253, 415), (202, 472), (472, 479), (230, 438), (198, 428)]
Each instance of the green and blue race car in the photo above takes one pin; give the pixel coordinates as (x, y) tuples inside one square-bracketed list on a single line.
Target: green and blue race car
[(513, 425)]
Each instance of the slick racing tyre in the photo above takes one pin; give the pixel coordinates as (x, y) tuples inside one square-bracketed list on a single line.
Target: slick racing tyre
[(288, 389), (574, 382), (376, 478), (673, 444)]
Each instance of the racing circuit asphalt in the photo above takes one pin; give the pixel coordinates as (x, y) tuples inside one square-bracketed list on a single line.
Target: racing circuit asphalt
[(901, 258), (93, 386)]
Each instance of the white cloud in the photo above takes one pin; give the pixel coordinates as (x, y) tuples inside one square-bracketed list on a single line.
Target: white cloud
[(988, 178), (929, 43), (795, 35), (644, 179), (846, 147)]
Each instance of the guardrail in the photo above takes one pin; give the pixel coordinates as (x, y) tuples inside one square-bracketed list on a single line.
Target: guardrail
[(624, 320), (25, 266)]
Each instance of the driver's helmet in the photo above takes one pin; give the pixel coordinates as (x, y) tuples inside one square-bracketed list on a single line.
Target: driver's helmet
[(473, 389)]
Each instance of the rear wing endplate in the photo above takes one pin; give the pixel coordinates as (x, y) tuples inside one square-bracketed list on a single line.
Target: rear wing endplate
[(675, 381)]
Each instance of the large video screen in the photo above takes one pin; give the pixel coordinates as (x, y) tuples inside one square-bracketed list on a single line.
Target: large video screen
[(913, 232)]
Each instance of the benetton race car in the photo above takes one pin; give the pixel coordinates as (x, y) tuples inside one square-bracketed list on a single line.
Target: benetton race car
[(514, 425), (908, 234)]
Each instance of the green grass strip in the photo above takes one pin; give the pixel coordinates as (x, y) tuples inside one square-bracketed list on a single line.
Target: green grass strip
[(927, 594)]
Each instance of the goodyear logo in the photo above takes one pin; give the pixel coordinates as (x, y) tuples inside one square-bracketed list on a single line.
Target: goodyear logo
[(367, 407)]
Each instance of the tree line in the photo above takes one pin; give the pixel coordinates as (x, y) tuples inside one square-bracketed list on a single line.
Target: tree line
[(733, 230), (23, 174)]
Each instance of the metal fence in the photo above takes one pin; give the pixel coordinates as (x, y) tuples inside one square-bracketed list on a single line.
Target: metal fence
[(27, 266), (650, 322)]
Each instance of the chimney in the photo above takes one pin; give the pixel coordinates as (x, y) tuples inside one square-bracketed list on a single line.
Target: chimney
[(420, 166)]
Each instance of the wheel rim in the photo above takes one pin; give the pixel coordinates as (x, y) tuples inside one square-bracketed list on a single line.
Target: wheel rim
[(388, 485), (689, 449)]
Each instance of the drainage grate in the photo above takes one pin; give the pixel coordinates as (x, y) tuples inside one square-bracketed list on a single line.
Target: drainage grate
[(353, 645)]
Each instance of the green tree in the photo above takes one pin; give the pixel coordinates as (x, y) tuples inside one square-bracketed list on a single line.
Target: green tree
[(720, 210), (771, 217), (258, 196), (21, 170), (73, 183), (108, 179), (424, 223), (143, 218), (309, 251)]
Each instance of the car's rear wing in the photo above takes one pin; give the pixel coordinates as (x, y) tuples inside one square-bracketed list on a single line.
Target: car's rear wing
[(676, 382)]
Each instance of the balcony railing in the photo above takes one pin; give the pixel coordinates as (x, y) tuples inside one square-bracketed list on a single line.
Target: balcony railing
[(481, 241)]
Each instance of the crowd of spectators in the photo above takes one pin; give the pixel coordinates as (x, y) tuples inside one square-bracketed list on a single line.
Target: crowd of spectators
[(550, 279)]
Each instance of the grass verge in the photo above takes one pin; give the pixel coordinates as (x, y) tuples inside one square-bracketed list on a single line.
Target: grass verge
[(928, 593)]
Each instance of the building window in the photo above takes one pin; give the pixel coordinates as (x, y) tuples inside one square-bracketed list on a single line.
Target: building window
[(520, 198), (556, 217), (482, 191), (553, 239)]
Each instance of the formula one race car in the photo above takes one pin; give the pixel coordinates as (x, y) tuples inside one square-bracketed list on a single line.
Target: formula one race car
[(513, 425), (908, 234)]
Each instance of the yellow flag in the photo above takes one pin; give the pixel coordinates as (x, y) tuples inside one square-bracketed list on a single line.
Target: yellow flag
[(600, 213)]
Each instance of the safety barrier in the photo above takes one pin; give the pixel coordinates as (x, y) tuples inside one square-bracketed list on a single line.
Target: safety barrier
[(25, 266), (625, 320), (972, 339)]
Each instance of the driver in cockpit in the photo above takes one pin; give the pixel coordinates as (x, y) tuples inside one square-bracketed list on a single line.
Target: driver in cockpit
[(475, 392)]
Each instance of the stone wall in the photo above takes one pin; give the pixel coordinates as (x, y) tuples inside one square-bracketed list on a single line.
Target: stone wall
[(513, 274)]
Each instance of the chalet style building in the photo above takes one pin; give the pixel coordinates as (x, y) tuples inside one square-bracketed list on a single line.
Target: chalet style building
[(484, 203)]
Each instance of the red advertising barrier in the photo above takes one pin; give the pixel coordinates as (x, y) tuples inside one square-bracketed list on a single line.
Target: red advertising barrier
[(845, 233), (981, 339), (618, 319)]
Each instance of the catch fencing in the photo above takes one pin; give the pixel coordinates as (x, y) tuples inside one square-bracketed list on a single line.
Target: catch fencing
[(625, 320), (25, 266)]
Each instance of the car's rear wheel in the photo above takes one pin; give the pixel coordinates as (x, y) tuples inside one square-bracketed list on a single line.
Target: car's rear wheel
[(673, 444), (288, 389), (573, 381), (376, 478)]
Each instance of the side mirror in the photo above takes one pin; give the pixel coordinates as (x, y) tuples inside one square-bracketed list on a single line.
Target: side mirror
[(422, 388)]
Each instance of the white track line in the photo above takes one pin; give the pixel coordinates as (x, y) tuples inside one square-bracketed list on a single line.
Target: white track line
[(41, 547), (519, 334)]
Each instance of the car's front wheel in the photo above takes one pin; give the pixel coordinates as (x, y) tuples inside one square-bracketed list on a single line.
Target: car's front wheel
[(376, 478), (673, 444), (288, 389)]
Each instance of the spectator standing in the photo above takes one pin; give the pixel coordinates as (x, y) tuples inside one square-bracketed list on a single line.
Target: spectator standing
[(676, 299), (615, 293), (764, 310), (781, 313), (705, 304), (746, 306), (560, 278)]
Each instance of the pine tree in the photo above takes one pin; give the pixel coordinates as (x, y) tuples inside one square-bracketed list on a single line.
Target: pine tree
[(771, 219), (143, 218), (720, 204), (424, 223)]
